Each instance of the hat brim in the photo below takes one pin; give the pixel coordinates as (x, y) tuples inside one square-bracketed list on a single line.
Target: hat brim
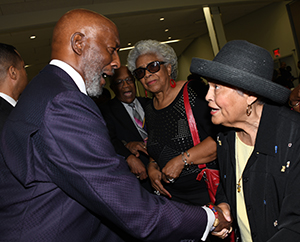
[(240, 79)]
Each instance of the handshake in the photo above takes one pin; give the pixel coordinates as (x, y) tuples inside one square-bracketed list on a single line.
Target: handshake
[(222, 226)]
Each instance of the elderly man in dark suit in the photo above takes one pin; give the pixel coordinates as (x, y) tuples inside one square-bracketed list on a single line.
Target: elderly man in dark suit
[(60, 178), (126, 131), (13, 80)]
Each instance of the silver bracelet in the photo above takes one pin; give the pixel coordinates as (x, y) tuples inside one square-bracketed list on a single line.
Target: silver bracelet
[(188, 155), (186, 165)]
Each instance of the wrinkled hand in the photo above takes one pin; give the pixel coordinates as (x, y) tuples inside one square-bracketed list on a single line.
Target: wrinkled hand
[(137, 167), (136, 146), (172, 169), (155, 177), (225, 221)]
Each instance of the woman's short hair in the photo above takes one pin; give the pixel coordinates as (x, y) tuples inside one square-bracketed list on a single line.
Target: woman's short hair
[(260, 100), (163, 51)]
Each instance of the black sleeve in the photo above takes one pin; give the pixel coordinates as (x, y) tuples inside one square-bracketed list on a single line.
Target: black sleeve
[(110, 124)]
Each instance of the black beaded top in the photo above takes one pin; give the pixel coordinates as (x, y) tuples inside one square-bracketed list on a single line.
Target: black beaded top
[(169, 135)]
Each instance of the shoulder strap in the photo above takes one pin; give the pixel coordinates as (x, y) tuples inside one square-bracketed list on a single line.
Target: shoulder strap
[(190, 116), (191, 119)]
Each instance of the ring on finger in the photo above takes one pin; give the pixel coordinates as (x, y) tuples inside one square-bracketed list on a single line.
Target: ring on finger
[(171, 180), (157, 193)]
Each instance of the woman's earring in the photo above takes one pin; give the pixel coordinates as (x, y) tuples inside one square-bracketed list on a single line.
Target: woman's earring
[(249, 110), (146, 94), (173, 83)]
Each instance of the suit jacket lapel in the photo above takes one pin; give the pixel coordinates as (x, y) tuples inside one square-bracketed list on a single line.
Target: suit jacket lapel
[(5, 106)]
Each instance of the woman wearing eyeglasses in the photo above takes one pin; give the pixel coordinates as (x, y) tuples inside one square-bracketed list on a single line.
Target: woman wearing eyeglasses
[(173, 165)]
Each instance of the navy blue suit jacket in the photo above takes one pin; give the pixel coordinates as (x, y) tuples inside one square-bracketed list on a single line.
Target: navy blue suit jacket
[(61, 180)]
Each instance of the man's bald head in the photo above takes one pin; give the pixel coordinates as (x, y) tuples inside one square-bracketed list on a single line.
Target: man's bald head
[(88, 42), (80, 21)]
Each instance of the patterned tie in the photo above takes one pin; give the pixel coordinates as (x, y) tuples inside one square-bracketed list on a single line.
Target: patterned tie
[(138, 120)]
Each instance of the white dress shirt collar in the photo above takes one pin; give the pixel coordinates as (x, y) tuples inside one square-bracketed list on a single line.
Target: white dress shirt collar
[(9, 99), (77, 78)]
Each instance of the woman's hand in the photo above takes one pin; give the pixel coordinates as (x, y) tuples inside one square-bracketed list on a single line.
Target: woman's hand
[(172, 169), (225, 208), (155, 177)]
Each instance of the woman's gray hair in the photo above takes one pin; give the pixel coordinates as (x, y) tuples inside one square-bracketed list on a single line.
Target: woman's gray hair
[(163, 51), (259, 100)]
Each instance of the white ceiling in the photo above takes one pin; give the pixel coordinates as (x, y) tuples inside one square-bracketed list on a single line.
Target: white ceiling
[(135, 19)]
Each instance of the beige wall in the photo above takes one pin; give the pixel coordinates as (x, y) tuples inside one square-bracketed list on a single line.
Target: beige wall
[(268, 27)]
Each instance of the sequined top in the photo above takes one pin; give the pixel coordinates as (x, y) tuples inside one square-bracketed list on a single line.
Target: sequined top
[(169, 135)]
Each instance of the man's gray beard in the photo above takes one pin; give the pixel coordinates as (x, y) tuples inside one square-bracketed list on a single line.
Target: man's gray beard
[(93, 86)]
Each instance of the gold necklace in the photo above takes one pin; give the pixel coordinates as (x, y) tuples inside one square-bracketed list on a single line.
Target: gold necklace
[(238, 185)]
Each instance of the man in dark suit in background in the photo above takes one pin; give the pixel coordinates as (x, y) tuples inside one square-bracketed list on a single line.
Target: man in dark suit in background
[(60, 178), (127, 136), (13, 80)]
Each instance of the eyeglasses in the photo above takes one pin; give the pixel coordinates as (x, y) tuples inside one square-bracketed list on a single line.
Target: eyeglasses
[(152, 67), (120, 83)]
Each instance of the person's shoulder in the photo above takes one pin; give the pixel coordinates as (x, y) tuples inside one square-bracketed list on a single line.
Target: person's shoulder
[(286, 114), (144, 101)]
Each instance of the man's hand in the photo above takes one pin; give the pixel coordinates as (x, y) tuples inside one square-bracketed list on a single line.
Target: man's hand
[(136, 146), (137, 167), (224, 227)]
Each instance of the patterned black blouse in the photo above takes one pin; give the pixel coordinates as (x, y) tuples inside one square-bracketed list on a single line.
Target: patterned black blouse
[(169, 135)]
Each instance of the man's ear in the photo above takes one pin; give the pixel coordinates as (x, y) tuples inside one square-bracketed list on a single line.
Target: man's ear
[(12, 72), (77, 43)]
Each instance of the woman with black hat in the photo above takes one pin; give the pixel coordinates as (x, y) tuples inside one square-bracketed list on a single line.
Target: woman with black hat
[(259, 160)]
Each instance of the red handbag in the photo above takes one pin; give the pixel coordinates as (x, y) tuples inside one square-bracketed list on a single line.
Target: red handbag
[(211, 176)]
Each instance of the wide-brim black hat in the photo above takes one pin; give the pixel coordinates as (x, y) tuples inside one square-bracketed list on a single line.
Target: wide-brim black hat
[(245, 66)]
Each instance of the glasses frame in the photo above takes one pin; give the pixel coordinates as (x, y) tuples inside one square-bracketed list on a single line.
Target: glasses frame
[(159, 63), (120, 83)]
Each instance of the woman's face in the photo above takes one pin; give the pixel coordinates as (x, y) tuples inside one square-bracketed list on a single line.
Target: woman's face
[(228, 107), (154, 82)]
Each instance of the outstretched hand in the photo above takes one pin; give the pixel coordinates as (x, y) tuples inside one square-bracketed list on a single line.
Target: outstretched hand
[(224, 228)]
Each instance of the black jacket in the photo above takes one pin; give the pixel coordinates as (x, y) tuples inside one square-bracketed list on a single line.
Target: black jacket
[(5, 109), (122, 129), (271, 179)]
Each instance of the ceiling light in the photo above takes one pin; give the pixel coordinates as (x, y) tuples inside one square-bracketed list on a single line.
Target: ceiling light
[(170, 41), (170, 37), (163, 42), (162, 19), (32, 37), (166, 30), (126, 48), (129, 43)]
